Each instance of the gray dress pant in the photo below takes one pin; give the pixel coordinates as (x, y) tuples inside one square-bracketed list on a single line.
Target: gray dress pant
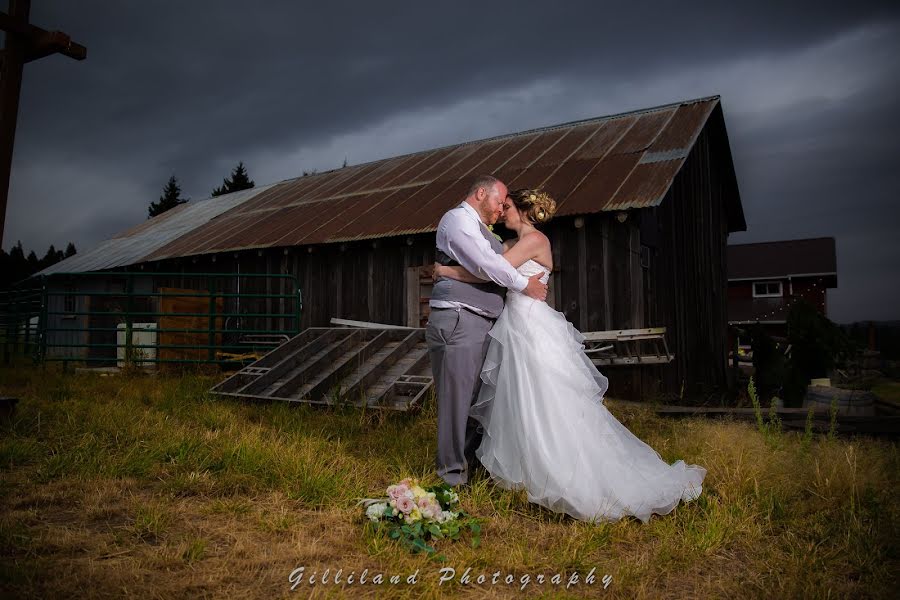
[(457, 344)]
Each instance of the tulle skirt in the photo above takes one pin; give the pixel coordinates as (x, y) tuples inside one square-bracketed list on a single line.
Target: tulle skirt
[(547, 431)]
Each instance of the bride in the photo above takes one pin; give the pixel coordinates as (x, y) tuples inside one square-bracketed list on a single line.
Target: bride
[(546, 428)]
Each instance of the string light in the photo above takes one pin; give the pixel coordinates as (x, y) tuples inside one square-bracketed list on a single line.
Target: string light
[(784, 307)]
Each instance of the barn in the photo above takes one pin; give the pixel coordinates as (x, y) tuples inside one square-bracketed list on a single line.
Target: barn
[(646, 200)]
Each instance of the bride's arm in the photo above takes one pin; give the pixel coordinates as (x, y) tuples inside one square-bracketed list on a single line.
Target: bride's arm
[(515, 252), (527, 247)]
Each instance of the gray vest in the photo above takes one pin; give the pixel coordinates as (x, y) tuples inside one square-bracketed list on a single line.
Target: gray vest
[(487, 296)]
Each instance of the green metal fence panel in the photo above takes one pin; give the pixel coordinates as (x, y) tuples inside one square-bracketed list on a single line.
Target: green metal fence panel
[(19, 310), (44, 319)]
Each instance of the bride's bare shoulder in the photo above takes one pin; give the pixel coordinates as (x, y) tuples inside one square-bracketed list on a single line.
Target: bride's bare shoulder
[(540, 245), (536, 238)]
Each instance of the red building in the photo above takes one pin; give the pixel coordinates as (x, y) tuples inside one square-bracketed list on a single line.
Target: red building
[(765, 279)]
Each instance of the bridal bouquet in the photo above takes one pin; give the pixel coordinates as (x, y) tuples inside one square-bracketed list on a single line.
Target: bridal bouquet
[(416, 515)]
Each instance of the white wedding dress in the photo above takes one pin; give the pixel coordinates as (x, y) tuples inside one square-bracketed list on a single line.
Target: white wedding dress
[(547, 431)]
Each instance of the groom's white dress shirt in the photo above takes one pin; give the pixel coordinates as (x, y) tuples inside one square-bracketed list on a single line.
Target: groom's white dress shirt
[(459, 237)]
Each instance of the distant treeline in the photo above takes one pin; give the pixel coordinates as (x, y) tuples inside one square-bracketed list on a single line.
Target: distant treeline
[(15, 265), (886, 336)]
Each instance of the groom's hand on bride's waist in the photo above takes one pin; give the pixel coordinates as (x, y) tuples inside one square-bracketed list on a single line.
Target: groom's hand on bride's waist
[(535, 289)]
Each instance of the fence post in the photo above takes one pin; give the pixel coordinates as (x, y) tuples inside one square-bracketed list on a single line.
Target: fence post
[(298, 304), (41, 353), (129, 320), (8, 322), (16, 311), (212, 318)]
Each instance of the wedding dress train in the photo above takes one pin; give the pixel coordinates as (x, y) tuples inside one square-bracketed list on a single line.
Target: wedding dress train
[(547, 431)]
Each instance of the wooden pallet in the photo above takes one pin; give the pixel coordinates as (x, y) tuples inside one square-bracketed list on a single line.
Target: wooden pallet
[(628, 347), (356, 366)]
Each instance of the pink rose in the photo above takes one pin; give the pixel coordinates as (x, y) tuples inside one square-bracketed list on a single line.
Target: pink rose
[(395, 492), (405, 505), (429, 508)]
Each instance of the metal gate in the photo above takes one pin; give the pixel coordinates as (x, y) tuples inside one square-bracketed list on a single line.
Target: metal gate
[(145, 319)]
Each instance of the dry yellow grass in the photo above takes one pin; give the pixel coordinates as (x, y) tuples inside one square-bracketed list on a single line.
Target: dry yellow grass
[(115, 486)]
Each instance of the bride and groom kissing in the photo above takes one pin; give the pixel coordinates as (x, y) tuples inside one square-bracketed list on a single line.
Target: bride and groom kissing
[(515, 389)]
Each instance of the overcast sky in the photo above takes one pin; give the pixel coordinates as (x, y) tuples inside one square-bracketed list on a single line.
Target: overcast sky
[(810, 91)]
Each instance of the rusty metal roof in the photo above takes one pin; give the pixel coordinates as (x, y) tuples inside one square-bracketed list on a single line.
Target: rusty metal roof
[(133, 245), (609, 163), (616, 162)]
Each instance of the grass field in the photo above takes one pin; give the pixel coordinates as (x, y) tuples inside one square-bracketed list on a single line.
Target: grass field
[(145, 486)]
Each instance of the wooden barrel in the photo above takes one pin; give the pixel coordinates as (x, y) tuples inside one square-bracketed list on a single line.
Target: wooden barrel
[(849, 402)]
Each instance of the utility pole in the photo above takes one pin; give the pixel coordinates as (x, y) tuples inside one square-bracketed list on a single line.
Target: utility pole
[(24, 43)]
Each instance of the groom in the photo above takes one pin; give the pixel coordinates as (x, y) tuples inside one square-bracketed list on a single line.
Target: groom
[(461, 316)]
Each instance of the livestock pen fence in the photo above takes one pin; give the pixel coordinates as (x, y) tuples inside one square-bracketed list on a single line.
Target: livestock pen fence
[(149, 319)]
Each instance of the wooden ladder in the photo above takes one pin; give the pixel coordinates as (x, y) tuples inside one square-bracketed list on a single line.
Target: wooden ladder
[(623, 347)]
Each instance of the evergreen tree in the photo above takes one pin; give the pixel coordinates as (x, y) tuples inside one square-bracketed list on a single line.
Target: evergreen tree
[(34, 265), (171, 197), (5, 269), (17, 253), (817, 345), (239, 180), (50, 258), (15, 266), (768, 363), (18, 266)]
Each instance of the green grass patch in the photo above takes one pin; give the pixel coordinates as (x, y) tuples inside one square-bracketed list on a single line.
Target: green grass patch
[(889, 391), (151, 475)]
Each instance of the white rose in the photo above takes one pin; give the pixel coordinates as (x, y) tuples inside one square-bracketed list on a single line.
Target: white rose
[(446, 515), (375, 511)]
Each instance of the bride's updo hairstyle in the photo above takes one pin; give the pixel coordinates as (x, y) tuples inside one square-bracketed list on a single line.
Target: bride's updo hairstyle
[(536, 205)]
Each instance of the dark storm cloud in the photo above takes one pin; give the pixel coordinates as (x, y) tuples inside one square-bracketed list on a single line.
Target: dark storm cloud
[(190, 88), (234, 74), (832, 171)]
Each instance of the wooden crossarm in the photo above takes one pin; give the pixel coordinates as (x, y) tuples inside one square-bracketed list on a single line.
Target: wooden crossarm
[(40, 42)]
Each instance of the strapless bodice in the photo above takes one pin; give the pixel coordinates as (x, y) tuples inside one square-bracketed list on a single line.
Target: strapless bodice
[(531, 267)]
